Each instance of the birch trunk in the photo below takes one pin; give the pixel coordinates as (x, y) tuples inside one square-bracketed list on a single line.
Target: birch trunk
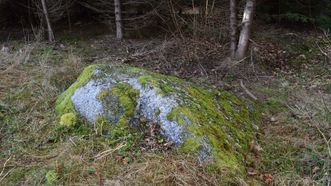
[(49, 25), (233, 28), (118, 19), (246, 29)]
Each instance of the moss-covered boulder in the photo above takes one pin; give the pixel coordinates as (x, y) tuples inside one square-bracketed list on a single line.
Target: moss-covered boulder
[(214, 124)]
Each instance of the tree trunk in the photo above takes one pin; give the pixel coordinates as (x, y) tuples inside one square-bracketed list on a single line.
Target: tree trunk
[(49, 26), (246, 29), (118, 19), (233, 28)]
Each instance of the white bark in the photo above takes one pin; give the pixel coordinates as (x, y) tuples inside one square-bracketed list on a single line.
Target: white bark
[(49, 25), (118, 19), (246, 29)]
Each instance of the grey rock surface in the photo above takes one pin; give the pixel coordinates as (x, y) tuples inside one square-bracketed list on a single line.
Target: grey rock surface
[(189, 116)]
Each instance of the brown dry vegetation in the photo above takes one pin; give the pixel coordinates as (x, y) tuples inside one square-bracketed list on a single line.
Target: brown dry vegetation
[(287, 72)]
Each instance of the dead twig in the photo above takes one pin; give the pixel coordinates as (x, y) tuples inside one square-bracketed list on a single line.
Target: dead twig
[(247, 91), (4, 176), (322, 51), (4, 167), (108, 152)]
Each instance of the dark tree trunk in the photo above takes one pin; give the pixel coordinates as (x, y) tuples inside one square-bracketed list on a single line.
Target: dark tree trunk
[(49, 25), (118, 19), (233, 28)]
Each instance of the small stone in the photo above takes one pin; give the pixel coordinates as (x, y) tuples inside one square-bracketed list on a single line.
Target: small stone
[(273, 119)]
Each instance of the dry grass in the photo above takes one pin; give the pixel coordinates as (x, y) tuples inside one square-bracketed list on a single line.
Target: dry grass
[(33, 146), (295, 143), (296, 135)]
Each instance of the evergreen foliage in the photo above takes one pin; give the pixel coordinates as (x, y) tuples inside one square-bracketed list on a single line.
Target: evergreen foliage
[(310, 12)]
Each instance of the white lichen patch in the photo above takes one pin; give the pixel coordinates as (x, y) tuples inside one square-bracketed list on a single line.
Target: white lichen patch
[(85, 99), (90, 107), (150, 102), (193, 118)]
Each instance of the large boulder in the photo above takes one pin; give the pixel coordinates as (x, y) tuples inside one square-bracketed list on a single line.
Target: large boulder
[(214, 124)]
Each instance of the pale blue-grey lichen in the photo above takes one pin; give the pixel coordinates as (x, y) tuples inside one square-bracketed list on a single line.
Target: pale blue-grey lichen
[(214, 124)]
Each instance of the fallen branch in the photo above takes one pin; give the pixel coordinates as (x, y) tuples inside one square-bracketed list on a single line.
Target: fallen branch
[(322, 51), (4, 167), (247, 91)]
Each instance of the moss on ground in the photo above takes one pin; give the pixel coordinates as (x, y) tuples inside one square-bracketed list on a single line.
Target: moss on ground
[(274, 105), (51, 177)]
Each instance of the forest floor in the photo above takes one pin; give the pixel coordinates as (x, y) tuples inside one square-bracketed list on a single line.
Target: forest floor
[(286, 70)]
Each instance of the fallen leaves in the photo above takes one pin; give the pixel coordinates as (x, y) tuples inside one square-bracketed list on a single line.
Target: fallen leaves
[(251, 171), (256, 149), (267, 178), (264, 177)]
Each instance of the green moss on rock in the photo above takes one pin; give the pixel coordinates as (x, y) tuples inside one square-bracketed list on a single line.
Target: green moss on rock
[(158, 112), (216, 118), (191, 145), (68, 119), (146, 80), (102, 125), (220, 117), (128, 98), (64, 103)]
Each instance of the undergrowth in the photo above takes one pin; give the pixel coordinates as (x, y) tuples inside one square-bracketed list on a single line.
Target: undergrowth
[(35, 149), (296, 138)]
